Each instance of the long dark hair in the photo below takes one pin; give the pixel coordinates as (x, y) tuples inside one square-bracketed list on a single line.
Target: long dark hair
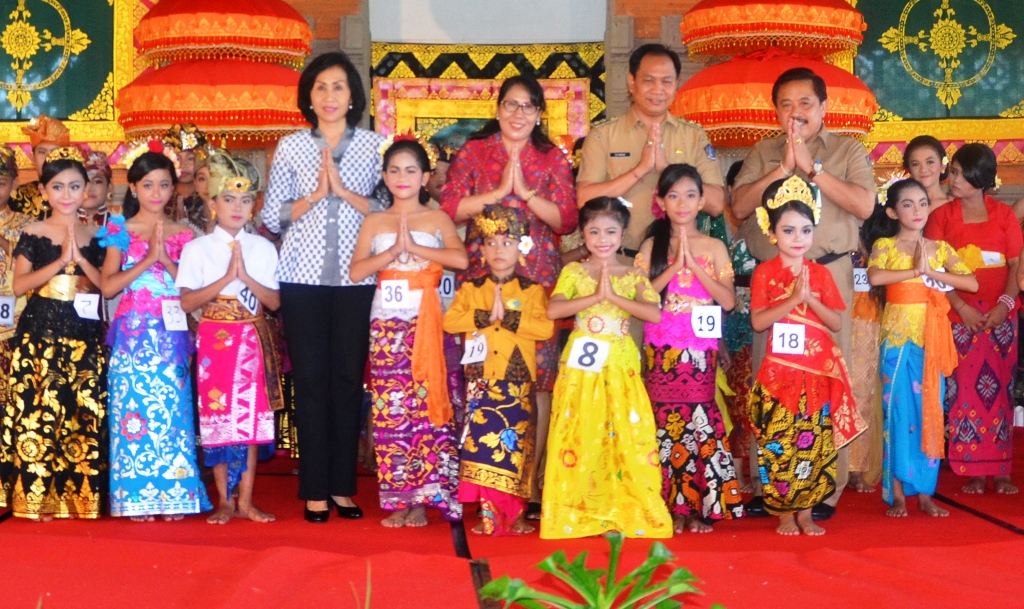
[(381, 192), (538, 138), (661, 229), (52, 168), (147, 162), (880, 225)]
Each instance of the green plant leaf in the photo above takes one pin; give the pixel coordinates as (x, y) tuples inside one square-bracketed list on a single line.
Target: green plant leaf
[(516, 592), (615, 540), (586, 582)]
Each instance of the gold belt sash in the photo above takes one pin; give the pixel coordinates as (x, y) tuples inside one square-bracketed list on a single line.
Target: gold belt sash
[(227, 309), (65, 287)]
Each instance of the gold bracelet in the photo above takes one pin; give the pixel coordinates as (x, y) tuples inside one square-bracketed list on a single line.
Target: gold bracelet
[(532, 194)]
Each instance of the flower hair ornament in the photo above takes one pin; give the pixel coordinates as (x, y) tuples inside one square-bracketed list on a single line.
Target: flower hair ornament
[(184, 137), (625, 202), (502, 220), (793, 189), (897, 175), (71, 153), (154, 145), (411, 136)]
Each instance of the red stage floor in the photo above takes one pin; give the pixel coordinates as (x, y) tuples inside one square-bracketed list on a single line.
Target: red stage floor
[(968, 558)]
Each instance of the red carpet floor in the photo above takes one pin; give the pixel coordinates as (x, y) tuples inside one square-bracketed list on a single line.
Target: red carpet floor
[(963, 560)]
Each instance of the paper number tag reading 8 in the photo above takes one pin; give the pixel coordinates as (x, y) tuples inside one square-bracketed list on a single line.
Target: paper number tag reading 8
[(87, 306), (588, 354), (447, 287), (860, 280), (475, 351), (174, 317), (395, 293), (788, 338), (249, 301), (7, 311), (707, 321), (935, 284)]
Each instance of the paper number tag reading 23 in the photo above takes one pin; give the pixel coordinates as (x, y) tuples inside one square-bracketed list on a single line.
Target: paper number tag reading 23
[(174, 317), (395, 293), (788, 339), (588, 354), (7, 311), (249, 301), (706, 321), (87, 306), (475, 352), (860, 280)]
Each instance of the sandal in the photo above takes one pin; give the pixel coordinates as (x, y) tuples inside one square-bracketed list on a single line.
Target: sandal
[(532, 511)]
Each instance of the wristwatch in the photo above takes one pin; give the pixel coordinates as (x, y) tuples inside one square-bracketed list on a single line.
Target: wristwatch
[(815, 170)]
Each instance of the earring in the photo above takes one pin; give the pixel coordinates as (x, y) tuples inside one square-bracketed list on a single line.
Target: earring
[(350, 106), (310, 106), (483, 259), (772, 240), (213, 215), (538, 123)]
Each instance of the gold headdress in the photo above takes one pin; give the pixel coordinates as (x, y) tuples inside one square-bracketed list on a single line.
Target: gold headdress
[(897, 175), (411, 136), (794, 188), (183, 137), (154, 145), (66, 152), (8, 161), (229, 174)]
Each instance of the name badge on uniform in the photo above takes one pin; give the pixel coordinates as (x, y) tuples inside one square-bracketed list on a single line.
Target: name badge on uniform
[(710, 151), (993, 258), (620, 155)]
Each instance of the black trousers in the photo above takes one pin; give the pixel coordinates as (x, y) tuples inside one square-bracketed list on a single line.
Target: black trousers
[(327, 330)]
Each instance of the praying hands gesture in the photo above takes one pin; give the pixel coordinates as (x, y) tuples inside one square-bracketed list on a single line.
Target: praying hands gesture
[(69, 249), (797, 155), (498, 308), (403, 240)]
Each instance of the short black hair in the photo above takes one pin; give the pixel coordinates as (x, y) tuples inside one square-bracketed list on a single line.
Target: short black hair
[(798, 74), (355, 84), (925, 141), (977, 164), (653, 49), (538, 137)]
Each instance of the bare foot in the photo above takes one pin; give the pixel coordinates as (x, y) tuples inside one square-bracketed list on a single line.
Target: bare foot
[(858, 483), (173, 517), (254, 513), (223, 515), (926, 505), (1004, 486), (479, 529), (142, 519), (396, 520), (694, 524), (417, 517), (807, 524), (49, 519), (975, 486), (746, 487), (898, 509), (521, 527), (787, 526), (678, 523)]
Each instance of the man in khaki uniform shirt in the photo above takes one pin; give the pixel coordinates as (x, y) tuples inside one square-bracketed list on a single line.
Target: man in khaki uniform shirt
[(623, 156), (840, 168)]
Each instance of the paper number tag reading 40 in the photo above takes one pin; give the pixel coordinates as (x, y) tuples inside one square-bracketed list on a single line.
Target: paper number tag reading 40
[(588, 354), (707, 321), (788, 339), (395, 293), (249, 301), (7, 311)]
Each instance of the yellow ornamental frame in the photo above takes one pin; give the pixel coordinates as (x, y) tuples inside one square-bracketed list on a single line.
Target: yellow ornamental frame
[(126, 16)]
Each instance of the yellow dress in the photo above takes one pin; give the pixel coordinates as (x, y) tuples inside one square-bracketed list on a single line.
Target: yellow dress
[(603, 471)]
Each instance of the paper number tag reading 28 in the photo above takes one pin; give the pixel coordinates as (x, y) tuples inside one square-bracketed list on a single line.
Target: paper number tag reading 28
[(395, 293), (860, 280), (7, 311), (588, 354), (174, 317), (707, 321), (249, 301), (475, 351), (788, 338)]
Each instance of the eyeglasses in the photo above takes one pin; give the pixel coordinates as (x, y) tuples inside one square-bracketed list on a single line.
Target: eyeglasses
[(511, 105)]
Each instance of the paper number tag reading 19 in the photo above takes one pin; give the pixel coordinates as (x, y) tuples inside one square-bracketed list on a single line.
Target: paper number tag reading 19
[(860, 280), (395, 293), (588, 354), (174, 317), (788, 338), (7, 311), (707, 321), (447, 287), (475, 351), (87, 306), (249, 301)]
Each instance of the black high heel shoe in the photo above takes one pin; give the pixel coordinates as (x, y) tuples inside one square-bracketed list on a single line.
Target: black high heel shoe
[(349, 513), (317, 517)]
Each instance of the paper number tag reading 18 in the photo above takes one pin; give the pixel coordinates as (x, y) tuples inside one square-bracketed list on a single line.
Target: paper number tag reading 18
[(249, 301), (447, 287), (707, 321), (475, 351), (174, 317), (588, 354), (395, 293), (788, 338), (87, 306), (7, 311), (860, 280)]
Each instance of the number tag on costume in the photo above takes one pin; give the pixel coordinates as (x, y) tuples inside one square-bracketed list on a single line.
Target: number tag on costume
[(993, 258), (588, 354), (860, 280), (935, 284), (788, 339), (447, 287), (249, 301), (87, 306), (707, 321), (395, 293), (174, 317), (476, 350), (7, 311)]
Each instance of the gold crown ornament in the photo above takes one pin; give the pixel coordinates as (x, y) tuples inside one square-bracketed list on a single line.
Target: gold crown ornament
[(794, 188), (897, 175), (66, 152), (234, 175), (411, 136), (154, 145)]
